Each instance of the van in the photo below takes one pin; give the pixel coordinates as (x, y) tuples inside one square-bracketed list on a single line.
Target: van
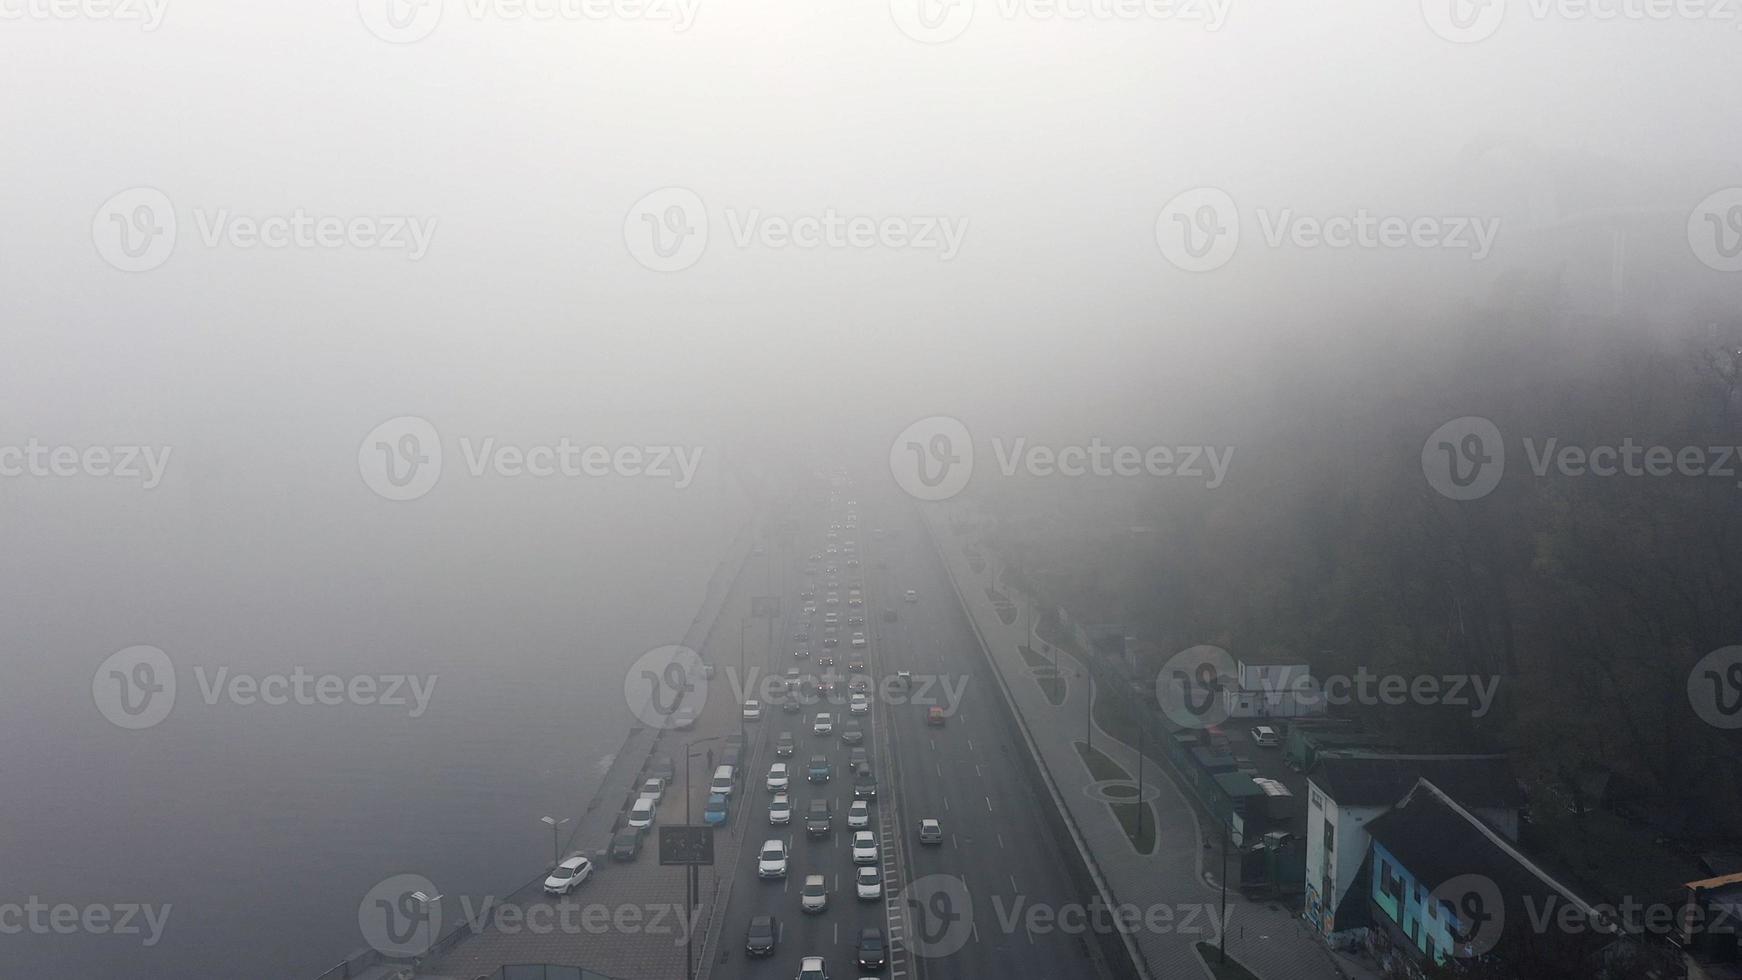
[(641, 814), (722, 783)]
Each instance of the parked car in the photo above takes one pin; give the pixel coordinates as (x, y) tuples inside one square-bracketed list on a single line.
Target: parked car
[(568, 876), (641, 814), (626, 845), (715, 813), (1265, 736), (761, 937), (653, 789)]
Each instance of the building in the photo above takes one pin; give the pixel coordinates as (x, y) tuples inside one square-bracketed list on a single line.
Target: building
[(1345, 794), (1264, 689), (1444, 885), (1712, 928)]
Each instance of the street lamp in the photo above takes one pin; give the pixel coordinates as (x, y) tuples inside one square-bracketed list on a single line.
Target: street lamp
[(692, 886), (555, 851)]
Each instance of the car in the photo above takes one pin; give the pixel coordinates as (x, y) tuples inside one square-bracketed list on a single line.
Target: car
[(869, 884), (858, 641), (852, 563), (912, 596), (814, 558), (785, 745), (761, 937), (856, 600), (864, 847), (930, 831), (625, 845), (832, 619), (715, 813), (753, 710), (791, 706), (872, 955), (802, 634), (683, 718), (834, 583), (771, 863), (662, 768), (780, 810), (858, 757), (568, 876), (777, 777), (821, 769), (827, 659), (859, 685), (1266, 736), (641, 814), (888, 615), (801, 654), (822, 724), (810, 609), (813, 897), (831, 570), (903, 680), (864, 783), (859, 704), (808, 594), (851, 733), (832, 600), (793, 675), (653, 789), (858, 815), (818, 820), (857, 619), (934, 716)]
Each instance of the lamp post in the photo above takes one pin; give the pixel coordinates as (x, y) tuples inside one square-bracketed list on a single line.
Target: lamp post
[(1142, 734), (555, 850)]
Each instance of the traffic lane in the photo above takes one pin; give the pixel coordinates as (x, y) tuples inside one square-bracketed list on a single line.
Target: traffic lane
[(831, 934), (996, 841)]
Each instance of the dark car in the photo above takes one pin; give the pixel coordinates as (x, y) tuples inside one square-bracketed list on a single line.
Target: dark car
[(821, 769), (851, 733), (872, 955), (662, 768), (784, 745), (864, 783), (626, 844), (763, 934)]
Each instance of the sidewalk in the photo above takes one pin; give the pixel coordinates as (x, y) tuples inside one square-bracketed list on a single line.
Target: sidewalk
[(1267, 938)]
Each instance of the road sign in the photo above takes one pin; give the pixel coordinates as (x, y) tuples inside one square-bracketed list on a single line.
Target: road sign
[(684, 845)]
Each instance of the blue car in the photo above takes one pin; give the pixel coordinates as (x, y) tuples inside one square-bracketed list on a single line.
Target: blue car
[(715, 813)]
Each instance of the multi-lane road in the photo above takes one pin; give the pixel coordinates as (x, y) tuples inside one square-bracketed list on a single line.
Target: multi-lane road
[(961, 908)]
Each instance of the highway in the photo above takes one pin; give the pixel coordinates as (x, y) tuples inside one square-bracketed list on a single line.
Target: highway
[(965, 773)]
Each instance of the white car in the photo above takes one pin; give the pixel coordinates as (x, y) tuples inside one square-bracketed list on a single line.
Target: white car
[(810, 609), (641, 814), (753, 710), (823, 725), (832, 619), (653, 789), (568, 876), (864, 847), (777, 777), (870, 884), (912, 596), (858, 641), (772, 862), (780, 810), (859, 705), (858, 815), (832, 600), (811, 968)]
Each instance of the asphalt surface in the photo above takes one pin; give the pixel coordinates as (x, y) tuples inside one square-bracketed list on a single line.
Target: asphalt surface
[(966, 774)]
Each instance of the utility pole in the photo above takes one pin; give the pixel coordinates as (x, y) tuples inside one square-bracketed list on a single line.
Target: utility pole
[(742, 624), (1222, 944), (1142, 733)]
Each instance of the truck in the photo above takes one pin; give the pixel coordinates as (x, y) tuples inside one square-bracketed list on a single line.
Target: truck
[(818, 818)]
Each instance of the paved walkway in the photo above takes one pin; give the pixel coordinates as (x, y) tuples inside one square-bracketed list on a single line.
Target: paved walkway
[(1268, 938)]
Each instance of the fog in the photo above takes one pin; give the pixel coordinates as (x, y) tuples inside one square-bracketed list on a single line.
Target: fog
[(998, 214)]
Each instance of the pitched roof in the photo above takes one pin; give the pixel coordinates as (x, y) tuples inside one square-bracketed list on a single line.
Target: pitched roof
[(1473, 780), (1436, 840)]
